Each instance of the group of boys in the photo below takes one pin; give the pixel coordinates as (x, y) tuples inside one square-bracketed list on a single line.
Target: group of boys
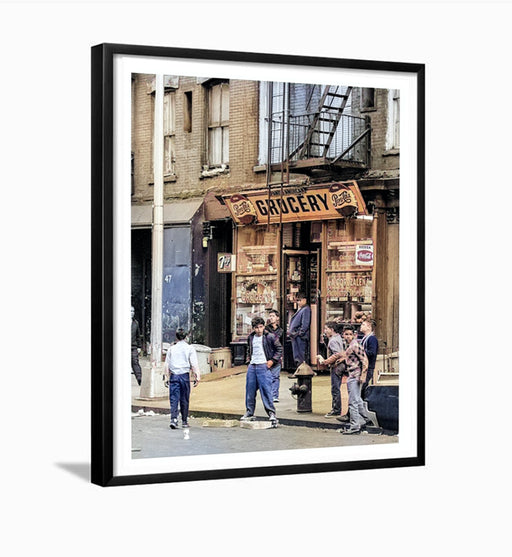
[(263, 373), (348, 357), (265, 352)]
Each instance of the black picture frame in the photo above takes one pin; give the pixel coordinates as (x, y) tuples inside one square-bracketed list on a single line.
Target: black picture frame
[(103, 276)]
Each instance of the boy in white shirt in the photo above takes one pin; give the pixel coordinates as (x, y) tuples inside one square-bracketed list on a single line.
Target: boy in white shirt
[(181, 359)]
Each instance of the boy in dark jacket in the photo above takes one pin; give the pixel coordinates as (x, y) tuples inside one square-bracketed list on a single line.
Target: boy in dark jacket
[(265, 351), (371, 346), (275, 371)]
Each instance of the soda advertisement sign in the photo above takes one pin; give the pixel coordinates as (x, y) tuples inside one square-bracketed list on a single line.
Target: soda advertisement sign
[(364, 254), (226, 262)]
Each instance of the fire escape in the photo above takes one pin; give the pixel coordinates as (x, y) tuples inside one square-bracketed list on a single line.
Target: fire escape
[(318, 135)]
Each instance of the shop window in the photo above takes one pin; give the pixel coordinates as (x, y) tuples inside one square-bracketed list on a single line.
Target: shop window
[(348, 273), (218, 125), (256, 284)]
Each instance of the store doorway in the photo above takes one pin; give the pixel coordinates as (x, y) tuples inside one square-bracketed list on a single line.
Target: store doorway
[(300, 273)]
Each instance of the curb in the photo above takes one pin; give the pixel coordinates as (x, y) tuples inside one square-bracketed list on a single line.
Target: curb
[(228, 416)]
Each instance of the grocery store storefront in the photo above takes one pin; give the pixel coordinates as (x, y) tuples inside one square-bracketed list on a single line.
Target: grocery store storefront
[(316, 239)]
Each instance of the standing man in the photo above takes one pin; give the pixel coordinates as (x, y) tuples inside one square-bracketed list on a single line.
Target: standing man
[(354, 356), (275, 371), (180, 361), (298, 330), (371, 347), (136, 346), (265, 351), (335, 347)]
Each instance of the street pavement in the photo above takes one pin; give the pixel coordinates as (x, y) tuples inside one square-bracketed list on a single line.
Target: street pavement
[(216, 406), (153, 438)]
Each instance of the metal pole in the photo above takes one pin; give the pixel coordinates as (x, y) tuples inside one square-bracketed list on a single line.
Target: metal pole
[(149, 387), (270, 92)]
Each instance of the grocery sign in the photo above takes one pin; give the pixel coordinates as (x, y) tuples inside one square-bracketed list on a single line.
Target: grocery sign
[(296, 203)]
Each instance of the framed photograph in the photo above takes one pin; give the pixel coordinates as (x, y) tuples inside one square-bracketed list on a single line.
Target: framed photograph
[(257, 264)]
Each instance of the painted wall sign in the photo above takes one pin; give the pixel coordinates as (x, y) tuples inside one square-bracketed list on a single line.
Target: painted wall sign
[(349, 286), (318, 202)]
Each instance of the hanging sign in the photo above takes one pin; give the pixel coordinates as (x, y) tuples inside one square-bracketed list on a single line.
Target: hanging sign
[(364, 254), (297, 203), (226, 262)]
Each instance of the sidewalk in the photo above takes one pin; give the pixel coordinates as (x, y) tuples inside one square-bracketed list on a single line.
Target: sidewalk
[(221, 394)]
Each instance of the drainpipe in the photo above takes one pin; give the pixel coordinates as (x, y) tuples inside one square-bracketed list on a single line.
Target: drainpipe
[(375, 228)]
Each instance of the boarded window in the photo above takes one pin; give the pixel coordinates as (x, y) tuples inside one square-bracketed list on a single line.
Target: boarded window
[(396, 118), (218, 124), (169, 132)]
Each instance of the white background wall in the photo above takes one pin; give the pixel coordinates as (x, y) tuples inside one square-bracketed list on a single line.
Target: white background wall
[(450, 507)]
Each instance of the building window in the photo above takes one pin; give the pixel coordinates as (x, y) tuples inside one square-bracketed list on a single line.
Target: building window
[(218, 125), (396, 118), (187, 112), (169, 133), (367, 98), (393, 128)]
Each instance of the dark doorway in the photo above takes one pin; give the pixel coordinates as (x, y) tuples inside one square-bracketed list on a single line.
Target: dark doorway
[(141, 281), (218, 309)]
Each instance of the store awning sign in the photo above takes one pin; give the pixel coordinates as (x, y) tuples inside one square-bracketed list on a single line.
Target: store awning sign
[(297, 203)]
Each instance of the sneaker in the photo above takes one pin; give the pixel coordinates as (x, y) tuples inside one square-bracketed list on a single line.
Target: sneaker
[(344, 418), (351, 431), (174, 424), (248, 416), (276, 400), (331, 414), (185, 425), (273, 419)]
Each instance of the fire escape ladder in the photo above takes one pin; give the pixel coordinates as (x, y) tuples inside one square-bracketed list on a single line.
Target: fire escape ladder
[(324, 123)]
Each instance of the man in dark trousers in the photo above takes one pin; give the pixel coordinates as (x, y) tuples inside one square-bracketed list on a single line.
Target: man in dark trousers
[(298, 330), (335, 348), (275, 371), (265, 351), (371, 346), (136, 346), (181, 368)]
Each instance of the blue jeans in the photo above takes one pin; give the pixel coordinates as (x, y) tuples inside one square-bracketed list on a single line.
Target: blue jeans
[(356, 407), (258, 377), (179, 395), (275, 372)]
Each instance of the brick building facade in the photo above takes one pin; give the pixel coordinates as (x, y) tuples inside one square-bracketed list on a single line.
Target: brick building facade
[(217, 145)]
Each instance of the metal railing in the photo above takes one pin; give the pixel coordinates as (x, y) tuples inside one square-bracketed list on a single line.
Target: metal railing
[(350, 142)]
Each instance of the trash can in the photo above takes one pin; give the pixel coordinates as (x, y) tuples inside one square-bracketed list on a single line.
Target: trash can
[(220, 358), (203, 358)]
